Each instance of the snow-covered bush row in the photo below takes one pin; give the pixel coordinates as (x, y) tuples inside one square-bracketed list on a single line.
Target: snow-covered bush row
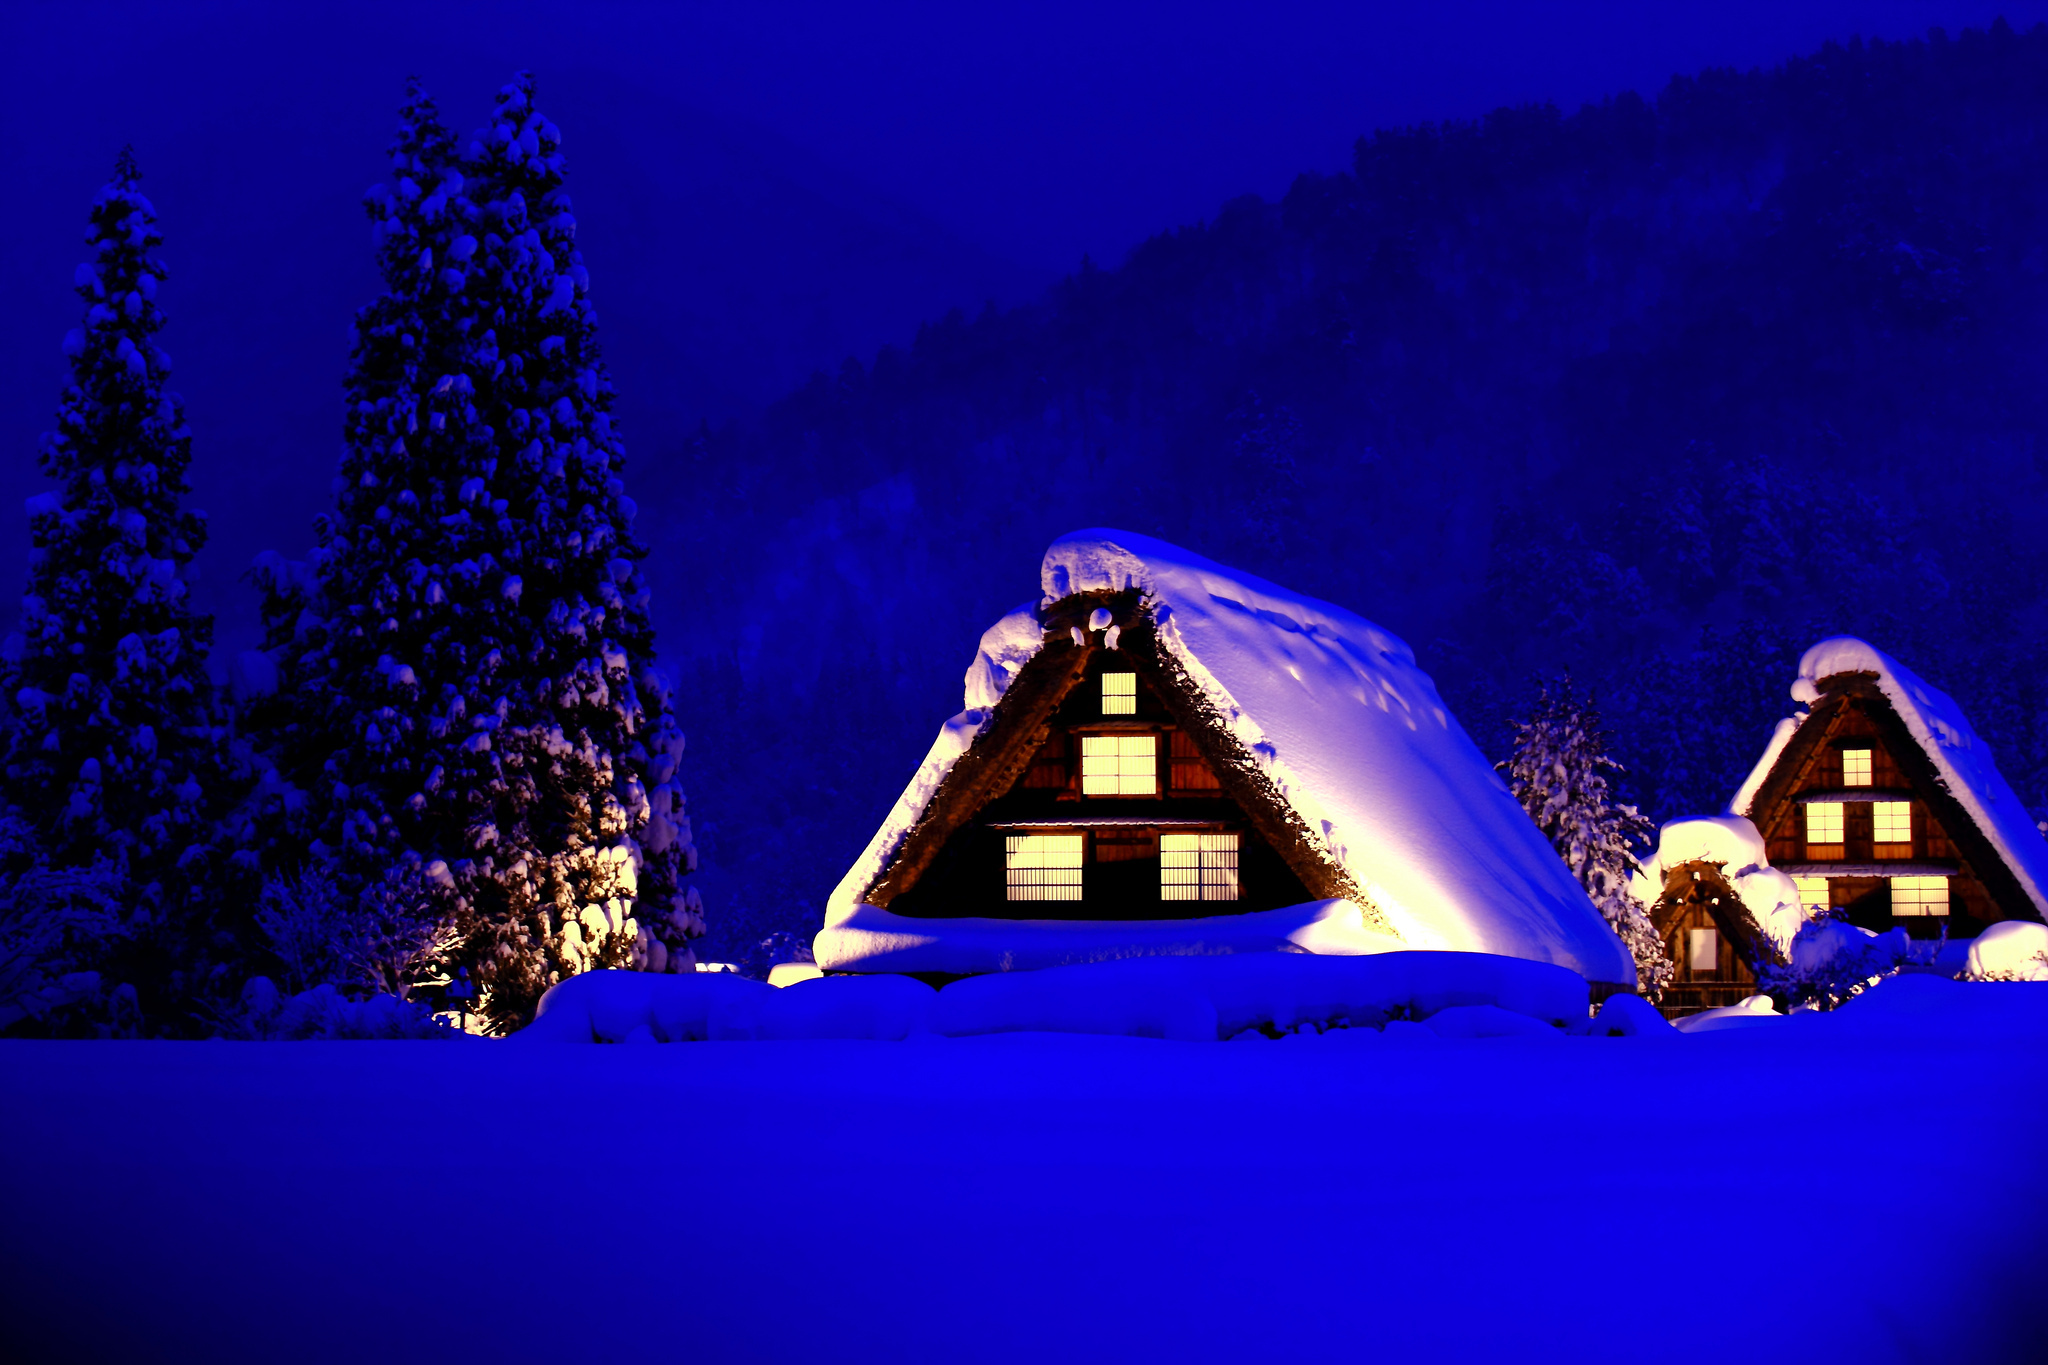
[(1832, 960), (325, 1014), (1189, 998)]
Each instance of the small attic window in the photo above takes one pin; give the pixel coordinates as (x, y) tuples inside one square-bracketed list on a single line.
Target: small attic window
[(1043, 867), (1702, 950), (1891, 822), (1198, 867), (1824, 822), (1855, 767), (1119, 694), (1119, 765), (1919, 895)]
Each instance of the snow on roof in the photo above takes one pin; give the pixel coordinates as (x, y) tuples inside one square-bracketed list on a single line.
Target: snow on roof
[(1960, 757), (1732, 842), (1352, 734)]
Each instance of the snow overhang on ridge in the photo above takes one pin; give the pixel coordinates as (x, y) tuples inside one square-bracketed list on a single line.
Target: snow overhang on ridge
[(1351, 733), (1960, 756)]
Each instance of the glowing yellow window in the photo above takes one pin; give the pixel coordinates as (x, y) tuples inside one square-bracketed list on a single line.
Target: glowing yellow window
[(1855, 767), (1813, 895), (1919, 895), (1119, 694), (1823, 822), (1703, 950), (1044, 867), (1198, 867), (1891, 822), (1119, 765)]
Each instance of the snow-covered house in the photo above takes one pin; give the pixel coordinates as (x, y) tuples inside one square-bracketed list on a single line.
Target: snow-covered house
[(1881, 802), (1162, 755)]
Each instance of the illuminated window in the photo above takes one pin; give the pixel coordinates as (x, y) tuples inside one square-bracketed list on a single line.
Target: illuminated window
[(1823, 822), (1119, 765), (1855, 767), (1119, 694), (1813, 895), (1198, 867), (1891, 822), (1919, 895), (1702, 950), (1044, 867)]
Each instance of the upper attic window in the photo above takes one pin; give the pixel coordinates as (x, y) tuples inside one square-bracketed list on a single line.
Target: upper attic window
[(1119, 765), (1119, 694), (1855, 767)]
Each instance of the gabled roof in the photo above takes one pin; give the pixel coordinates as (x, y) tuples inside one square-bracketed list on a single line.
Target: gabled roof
[(1959, 762), (1325, 714)]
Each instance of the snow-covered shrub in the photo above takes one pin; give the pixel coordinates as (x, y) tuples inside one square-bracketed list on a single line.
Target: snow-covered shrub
[(323, 1013), (771, 952), (1628, 1016), (1559, 774), (1832, 960), (384, 936), (58, 927), (2014, 950)]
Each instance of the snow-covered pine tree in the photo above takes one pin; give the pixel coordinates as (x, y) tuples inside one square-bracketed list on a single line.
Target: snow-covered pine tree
[(466, 694), (1559, 775), (112, 751)]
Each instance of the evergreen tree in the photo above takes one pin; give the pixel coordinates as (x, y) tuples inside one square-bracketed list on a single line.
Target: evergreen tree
[(1559, 774), (468, 693), (111, 751)]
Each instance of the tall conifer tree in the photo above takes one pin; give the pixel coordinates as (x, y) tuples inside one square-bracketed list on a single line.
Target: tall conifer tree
[(112, 754), (1559, 774), (467, 666), (115, 715)]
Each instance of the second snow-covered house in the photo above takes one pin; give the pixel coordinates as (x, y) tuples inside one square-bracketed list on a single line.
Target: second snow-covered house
[(1162, 755)]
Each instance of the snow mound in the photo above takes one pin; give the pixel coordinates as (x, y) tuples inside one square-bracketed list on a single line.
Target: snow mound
[(1341, 721), (880, 941), (1629, 1016), (1203, 998), (625, 1007), (1961, 758), (1927, 1005), (1757, 1009), (1487, 1021), (1732, 842), (2015, 950)]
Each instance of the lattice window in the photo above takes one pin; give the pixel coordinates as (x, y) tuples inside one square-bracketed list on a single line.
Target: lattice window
[(1824, 822), (1198, 867), (1813, 894), (1891, 822), (1919, 895), (1855, 767), (1119, 765), (1043, 867), (1119, 694)]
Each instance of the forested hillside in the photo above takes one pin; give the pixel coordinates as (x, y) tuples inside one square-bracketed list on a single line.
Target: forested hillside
[(1657, 392)]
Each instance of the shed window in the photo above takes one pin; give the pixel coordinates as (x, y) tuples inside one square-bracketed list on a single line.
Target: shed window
[(1198, 867), (1855, 767), (1919, 895), (1119, 694), (1891, 822), (1824, 822), (1119, 765), (1703, 950), (1044, 867), (1813, 895)]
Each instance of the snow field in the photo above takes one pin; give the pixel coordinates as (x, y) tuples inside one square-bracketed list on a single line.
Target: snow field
[(1188, 999), (1034, 1197)]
